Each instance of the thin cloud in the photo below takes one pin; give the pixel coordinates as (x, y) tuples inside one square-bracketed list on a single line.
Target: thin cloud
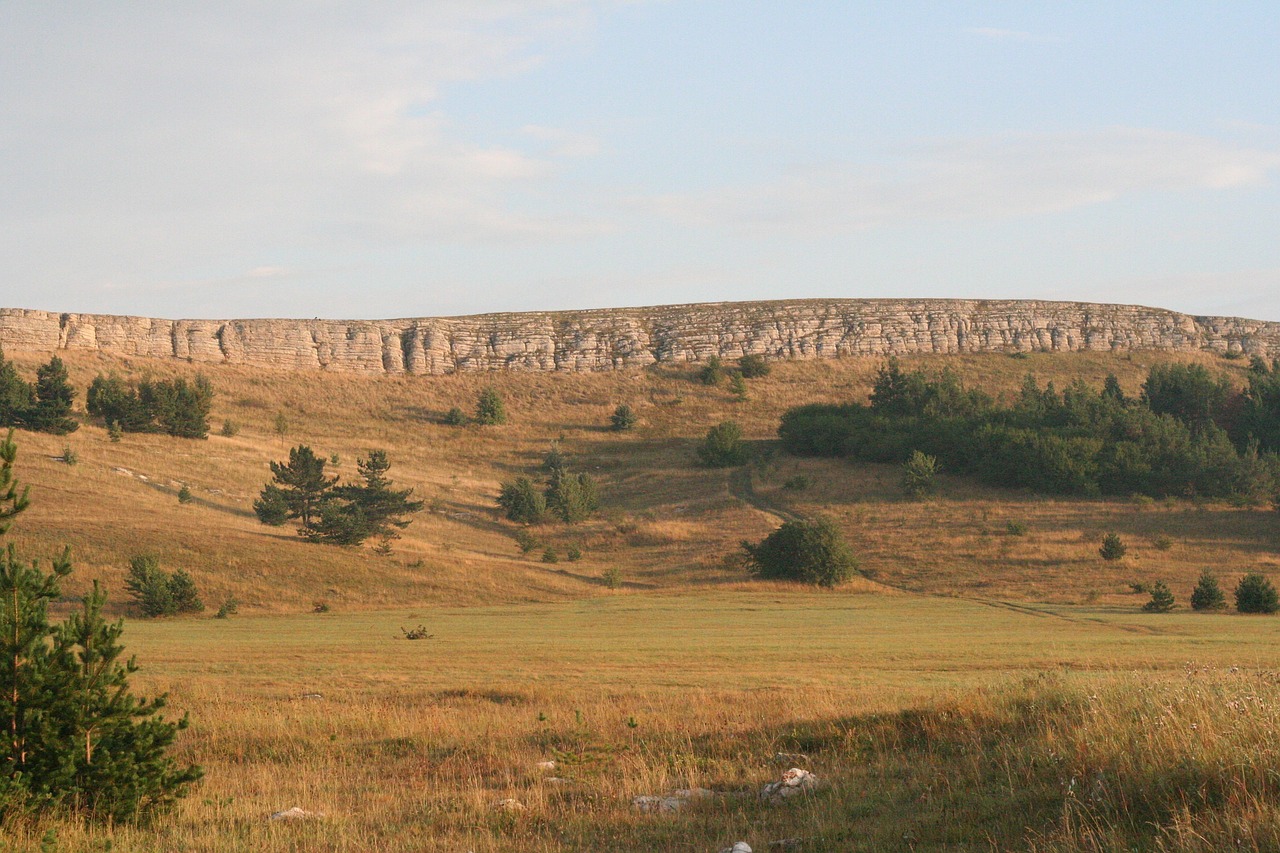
[(978, 180), (998, 34)]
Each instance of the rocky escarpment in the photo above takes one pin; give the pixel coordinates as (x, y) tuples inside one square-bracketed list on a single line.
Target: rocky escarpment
[(612, 339)]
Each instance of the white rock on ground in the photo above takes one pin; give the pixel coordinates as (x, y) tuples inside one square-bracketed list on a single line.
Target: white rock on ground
[(509, 805), (295, 813), (794, 781), (739, 847), (672, 802)]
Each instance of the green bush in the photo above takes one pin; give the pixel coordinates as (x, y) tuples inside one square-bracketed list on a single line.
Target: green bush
[(184, 495), (612, 578), (522, 501), (550, 555), (455, 417), (69, 456), (1113, 548), (526, 541), (159, 593), (810, 551), (114, 432), (622, 419), (754, 366), (723, 447), (712, 372), (229, 607), (1208, 595), (490, 410), (573, 553), (1162, 600), (1016, 528), (1255, 594), (918, 474), (572, 497), (230, 429), (738, 387)]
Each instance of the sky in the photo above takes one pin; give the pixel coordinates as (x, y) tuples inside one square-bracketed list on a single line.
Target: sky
[(443, 157)]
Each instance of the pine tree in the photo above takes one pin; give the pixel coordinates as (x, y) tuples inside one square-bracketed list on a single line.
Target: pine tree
[(357, 512), (490, 410), (76, 737), (1113, 547), (622, 419), (1208, 595), (298, 491), (572, 497), (53, 398), (1255, 594), (17, 396), (522, 501), (1162, 600)]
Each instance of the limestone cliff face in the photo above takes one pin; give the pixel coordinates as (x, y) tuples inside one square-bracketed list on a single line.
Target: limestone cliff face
[(612, 339)]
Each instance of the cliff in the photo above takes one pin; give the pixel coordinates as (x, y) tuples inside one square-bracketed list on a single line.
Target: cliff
[(612, 339)]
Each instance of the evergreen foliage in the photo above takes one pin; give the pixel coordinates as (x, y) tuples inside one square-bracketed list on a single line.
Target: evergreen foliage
[(1162, 600), (43, 406), (160, 593), (77, 738), (738, 387), (754, 366), (455, 417), (622, 419), (809, 551), (572, 497), (298, 489), (173, 406), (522, 501), (1113, 547), (353, 513), (1208, 595), (723, 447), (712, 372), (919, 474), (490, 410), (1187, 435), (1255, 594)]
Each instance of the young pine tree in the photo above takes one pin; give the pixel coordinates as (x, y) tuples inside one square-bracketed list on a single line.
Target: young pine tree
[(75, 736), (53, 398), (1162, 600), (298, 490), (1208, 595), (490, 410)]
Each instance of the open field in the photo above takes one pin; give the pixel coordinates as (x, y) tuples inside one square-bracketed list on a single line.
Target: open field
[(409, 744)]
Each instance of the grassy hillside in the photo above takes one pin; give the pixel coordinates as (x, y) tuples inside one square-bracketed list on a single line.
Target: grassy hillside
[(667, 524)]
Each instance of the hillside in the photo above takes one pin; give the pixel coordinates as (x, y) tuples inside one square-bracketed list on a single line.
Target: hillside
[(666, 524)]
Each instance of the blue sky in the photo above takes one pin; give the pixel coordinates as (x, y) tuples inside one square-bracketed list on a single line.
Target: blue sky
[(434, 158)]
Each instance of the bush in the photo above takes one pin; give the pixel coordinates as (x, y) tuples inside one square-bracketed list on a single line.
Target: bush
[(159, 593), (1162, 600), (723, 447), (69, 456), (810, 551), (612, 578), (1113, 548), (1016, 528), (522, 501), (455, 417), (918, 474), (550, 555), (230, 429), (526, 541), (622, 419), (184, 495), (712, 372), (798, 483), (229, 607), (738, 387), (1208, 595), (1255, 594), (572, 497), (490, 410), (754, 366), (573, 553), (114, 432)]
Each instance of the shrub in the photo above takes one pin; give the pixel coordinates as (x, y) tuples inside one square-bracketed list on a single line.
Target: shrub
[(612, 577), (1162, 600), (522, 501), (526, 541), (159, 593), (490, 410), (184, 494), (798, 483), (1255, 594), (550, 555), (723, 447), (455, 417), (809, 551), (229, 607), (320, 607), (572, 497), (230, 429), (114, 432), (1113, 548), (573, 553), (754, 366), (69, 456), (1208, 595), (712, 372), (738, 387), (622, 419), (1016, 528), (918, 474)]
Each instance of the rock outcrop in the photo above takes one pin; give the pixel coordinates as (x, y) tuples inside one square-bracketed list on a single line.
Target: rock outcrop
[(612, 339)]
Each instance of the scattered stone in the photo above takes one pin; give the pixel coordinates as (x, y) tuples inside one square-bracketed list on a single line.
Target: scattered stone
[(672, 802), (311, 696), (295, 813), (508, 805), (546, 765), (794, 781), (790, 759), (558, 780), (738, 847), (124, 471)]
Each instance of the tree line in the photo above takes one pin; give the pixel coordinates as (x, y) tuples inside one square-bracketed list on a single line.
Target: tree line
[(173, 406), (1188, 432)]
